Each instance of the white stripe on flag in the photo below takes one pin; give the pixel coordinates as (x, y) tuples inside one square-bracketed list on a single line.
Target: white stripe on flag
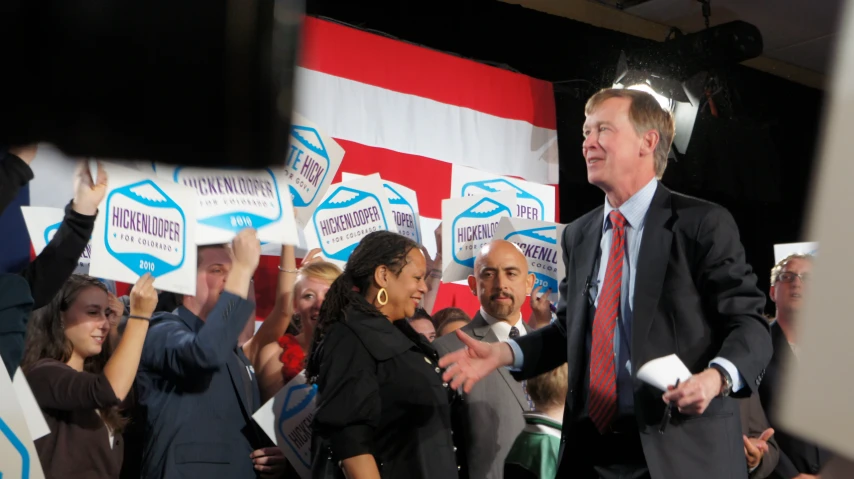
[(410, 124)]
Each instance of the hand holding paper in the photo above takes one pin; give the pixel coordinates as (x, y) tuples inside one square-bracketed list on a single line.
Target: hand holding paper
[(89, 190), (664, 372), (693, 393)]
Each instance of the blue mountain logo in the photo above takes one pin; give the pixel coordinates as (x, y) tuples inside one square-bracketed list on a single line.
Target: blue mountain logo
[(147, 198), (309, 161), (296, 400), (472, 229), (19, 447), (528, 205), (400, 206), (343, 218), (231, 218), (540, 247)]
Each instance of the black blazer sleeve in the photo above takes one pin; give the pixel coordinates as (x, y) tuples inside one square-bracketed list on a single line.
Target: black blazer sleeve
[(14, 174), (545, 349), (48, 272), (728, 287), (57, 386), (15, 305), (348, 408)]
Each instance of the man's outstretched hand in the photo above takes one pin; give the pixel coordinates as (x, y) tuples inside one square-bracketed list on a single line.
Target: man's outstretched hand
[(474, 362)]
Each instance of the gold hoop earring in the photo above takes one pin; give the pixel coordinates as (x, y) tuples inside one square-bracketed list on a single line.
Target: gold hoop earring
[(382, 297)]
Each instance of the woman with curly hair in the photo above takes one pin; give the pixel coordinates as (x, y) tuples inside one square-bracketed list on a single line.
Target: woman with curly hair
[(79, 380), (382, 409)]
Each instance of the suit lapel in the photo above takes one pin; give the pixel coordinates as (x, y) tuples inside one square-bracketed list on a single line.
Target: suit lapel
[(234, 365), (480, 329), (582, 258), (515, 386), (652, 264)]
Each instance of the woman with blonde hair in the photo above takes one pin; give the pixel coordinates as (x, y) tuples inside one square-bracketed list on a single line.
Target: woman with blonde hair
[(282, 361)]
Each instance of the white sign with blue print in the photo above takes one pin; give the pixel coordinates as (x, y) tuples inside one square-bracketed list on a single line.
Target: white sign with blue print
[(468, 224), (540, 242), (403, 202), (350, 211), (42, 224), (286, 419), (146, 225), (312, 160), (533, 200), (18, 456), (233, 199)]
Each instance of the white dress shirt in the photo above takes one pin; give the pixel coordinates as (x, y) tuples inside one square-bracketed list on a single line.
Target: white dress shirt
[(501, 328)]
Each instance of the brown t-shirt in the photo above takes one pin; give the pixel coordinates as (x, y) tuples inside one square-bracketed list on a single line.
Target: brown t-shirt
[(78, 446)]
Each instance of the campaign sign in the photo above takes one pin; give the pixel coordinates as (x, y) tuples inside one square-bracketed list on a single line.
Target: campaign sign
[(783, 251), (349, 212), (42, 224), (286, 419), (403, 203), (312, 160), (146, 226), (468, 224), (533, 201), (540, 242), (232, 199), (18, 456)]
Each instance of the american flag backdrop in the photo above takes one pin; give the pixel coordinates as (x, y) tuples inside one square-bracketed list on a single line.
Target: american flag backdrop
[(399, 109)]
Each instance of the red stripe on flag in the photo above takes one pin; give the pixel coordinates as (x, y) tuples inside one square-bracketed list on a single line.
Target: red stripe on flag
[(431, 179), (349, 53)]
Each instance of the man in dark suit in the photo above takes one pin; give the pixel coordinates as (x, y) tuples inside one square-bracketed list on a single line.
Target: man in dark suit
[(650, 273), (491, 416), (789, 277), (196, 389)]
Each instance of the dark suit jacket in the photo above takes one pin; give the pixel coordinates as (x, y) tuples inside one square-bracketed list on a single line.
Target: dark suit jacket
[(753, 424), (491, 415), (15, 305), (193, 393), (695, 296), (796, 455)]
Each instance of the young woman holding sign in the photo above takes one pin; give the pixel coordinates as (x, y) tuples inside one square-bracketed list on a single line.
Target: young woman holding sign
[(78, 379), (382, 409)]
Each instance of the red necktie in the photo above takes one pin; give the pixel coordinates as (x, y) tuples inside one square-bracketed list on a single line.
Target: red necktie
[(602, 404)]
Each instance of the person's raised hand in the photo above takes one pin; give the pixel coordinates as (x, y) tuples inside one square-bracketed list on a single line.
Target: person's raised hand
[(143, 297), (87, 193), (541, 307), (26, 152), (246, 250)]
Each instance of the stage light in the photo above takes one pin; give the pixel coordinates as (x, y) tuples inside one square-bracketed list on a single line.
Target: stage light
[(684, 115)]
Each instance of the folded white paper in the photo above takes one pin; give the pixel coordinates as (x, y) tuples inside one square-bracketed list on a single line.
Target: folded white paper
[(32, 412), (664, 371)]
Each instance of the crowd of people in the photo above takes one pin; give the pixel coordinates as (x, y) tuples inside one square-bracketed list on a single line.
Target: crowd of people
[(160, 385)]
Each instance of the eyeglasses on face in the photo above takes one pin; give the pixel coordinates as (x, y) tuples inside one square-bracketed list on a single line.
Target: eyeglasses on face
[(788, 277)]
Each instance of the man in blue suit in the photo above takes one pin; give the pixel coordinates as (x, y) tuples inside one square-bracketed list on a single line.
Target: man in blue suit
[(196, 390)]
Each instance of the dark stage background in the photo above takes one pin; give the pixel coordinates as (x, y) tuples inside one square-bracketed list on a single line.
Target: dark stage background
[(755, 158)]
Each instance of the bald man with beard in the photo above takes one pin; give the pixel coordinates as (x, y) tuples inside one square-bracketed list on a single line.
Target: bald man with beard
[(490, 417)]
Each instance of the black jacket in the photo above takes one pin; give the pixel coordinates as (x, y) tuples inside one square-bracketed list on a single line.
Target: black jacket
[(380, 392), (796, 455)]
